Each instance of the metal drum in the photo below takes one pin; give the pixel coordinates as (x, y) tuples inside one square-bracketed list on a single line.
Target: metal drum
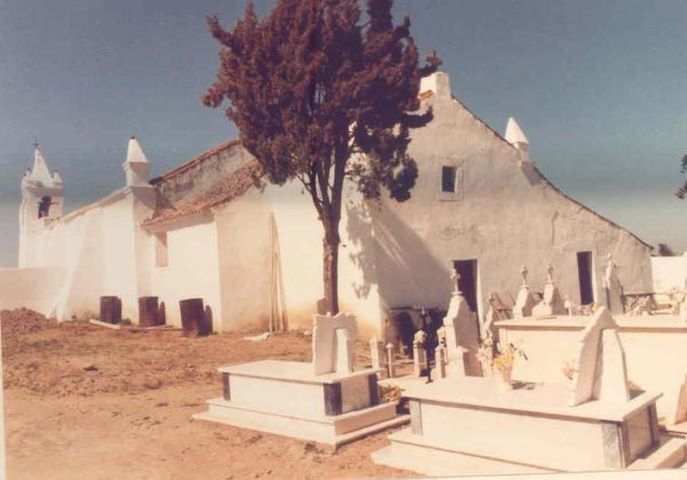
[(148, 312), (110, 309), (193, 321)]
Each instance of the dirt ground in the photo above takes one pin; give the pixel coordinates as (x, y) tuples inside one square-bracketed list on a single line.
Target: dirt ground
[(86, 402)]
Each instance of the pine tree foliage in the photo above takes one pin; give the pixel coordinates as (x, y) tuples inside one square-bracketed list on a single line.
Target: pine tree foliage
[(322, 92)]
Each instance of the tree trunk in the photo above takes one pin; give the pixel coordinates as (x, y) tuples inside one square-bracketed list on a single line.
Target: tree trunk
[(330, 245)]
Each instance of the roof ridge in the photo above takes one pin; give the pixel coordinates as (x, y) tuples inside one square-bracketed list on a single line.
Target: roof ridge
[(195, 161)]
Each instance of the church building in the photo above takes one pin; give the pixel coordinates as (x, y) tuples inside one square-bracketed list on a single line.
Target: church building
[(254, 256)]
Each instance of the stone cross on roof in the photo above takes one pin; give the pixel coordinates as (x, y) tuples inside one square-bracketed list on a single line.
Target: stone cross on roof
[(524, 272), (549, 273)]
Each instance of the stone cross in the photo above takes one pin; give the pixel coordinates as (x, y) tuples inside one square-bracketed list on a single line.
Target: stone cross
[(524, 274), (549, 273)]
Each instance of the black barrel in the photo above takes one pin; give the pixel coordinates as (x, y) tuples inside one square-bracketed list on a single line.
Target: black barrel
[(193, 321), (148, 312), (110, 309)]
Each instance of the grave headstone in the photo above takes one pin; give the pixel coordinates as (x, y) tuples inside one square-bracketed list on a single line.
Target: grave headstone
[(524, 301), (552, 302), (331, 349), (378, 357), (462, 336), (345, 356), (419, 352), (613, 288), (600, 367), (493, 315), (390, 359)]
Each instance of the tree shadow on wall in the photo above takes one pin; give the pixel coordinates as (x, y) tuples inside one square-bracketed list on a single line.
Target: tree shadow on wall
[(390, 254)]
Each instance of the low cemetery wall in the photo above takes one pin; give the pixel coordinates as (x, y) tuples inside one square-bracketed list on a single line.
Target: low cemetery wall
[(653, 348), (669, 272), (33, 288)]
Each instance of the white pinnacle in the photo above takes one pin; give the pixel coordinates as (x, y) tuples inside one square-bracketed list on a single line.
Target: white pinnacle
[(514, 134), (134, 153), (40, 170)]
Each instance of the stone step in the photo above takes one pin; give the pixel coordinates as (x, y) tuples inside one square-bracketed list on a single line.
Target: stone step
[(670, 454), (335, 430)]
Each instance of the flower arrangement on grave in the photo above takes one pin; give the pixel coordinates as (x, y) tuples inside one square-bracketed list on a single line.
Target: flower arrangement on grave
[(389, 393), (569, 370), (677, 296), (499, 358)]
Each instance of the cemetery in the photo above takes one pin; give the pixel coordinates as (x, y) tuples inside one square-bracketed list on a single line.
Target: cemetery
[(367, 281)]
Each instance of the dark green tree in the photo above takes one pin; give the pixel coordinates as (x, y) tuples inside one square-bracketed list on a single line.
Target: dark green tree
[(321, 93)]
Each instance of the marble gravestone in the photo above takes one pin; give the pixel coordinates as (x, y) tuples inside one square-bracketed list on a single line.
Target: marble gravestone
[(600, 367), (378, 357), (613, 288), (525, 302), (327, 400), (552, 303), (468, 423), (461, 331), (332, 343)]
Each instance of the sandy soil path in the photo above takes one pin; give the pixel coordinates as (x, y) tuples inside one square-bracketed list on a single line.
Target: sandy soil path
[(84, 402)]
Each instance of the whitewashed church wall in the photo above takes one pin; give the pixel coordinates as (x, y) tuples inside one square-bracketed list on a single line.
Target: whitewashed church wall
[(118, 273), (300, 243), (33, 288), (192, 269), (95, 249), (245, 263), (503, 215)]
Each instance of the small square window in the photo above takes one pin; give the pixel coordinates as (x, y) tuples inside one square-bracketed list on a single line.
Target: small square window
[(448, 179)]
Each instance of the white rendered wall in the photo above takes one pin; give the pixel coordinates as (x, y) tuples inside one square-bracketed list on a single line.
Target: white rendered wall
[(245, 263), (95, 248), (669, 272), (300, 244), (34, 288), (192, 270)]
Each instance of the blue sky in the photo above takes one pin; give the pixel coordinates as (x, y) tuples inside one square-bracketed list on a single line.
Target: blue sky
[(599, 87)]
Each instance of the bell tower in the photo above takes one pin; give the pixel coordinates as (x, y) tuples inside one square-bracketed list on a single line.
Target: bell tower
[(42, 202)]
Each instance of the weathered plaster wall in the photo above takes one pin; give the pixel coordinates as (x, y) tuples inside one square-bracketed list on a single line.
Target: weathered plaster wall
[(504, 215), (669, 272), (34, 288)]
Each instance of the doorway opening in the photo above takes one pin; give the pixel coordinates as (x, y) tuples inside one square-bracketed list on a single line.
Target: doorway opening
[(467, 269), (584, 271)]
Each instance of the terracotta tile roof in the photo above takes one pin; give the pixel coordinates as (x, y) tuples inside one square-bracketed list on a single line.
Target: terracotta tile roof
[(239, 182), (228, 187), (195, 161)]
